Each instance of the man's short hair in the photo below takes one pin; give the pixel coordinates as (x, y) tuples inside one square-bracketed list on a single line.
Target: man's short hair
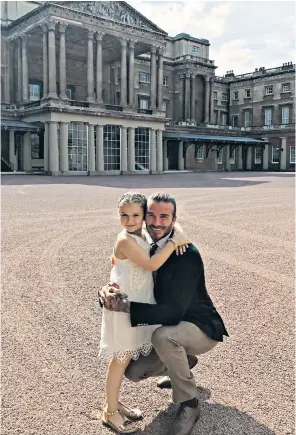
[(164, 197)]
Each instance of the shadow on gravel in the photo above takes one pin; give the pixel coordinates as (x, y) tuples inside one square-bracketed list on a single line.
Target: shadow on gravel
[(215, 419), (195, 180)]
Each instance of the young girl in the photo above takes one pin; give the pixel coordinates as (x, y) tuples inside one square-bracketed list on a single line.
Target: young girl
[(132, 272)]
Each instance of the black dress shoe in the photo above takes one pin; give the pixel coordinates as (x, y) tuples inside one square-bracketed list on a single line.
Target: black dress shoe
[(165, 381), (185, 419)]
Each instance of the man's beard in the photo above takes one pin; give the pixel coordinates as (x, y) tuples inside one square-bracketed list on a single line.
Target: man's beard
[(167, 231)]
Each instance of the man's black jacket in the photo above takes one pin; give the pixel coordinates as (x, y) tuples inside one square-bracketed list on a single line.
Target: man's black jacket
[(181, 294)]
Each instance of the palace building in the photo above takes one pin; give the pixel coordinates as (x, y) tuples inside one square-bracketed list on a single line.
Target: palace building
[(95, 88)]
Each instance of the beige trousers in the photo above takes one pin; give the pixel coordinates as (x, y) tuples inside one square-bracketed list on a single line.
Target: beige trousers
[(172, 344)]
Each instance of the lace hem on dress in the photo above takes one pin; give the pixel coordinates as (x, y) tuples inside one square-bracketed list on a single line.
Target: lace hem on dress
[(123, 355)]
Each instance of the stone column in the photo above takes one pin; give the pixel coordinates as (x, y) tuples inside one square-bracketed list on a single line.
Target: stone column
[(131, 149), (99, 70), (207, 98), (181, 156), (123, 148), (227, 157), (249, 158), (283, 158), (52, 73), (159, 154), (160, 78), (218, 117), (19, 70), (62, 61), (265, 157), (25, 73), (90, 66), (53, 148), (91, 153), (153, 78), (27, 152), (187, 96), (193, 96), (45, 62), (152, 150), (123, 80), (211, 102), (100, 148), (64, 159), (7, 76), (240, 157), (46, 147), (165, 155), (131, 81), (12, 155), (181, 100)]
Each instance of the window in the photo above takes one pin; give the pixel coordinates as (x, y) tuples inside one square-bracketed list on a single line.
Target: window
[(143, 103), (165, 81), (111, 148), (35, 91), (200, 154), (223, 118), (286, 87), (165, 107), (195, 49), (144, 77), (117, 98), (37, 146), (235, 95), (269, 90), (234, 120), (232, 155), (215, 95), (247, 93), (247, 118), (215, 117), (258, 156), (285, 115), (220, 156), (268, 117), (70, 91), (142, 148), (292, 154), (77, 146), (224, 96), (276, 152)]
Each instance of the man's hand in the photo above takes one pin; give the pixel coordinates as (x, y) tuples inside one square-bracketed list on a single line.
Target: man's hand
[(118, 302), (108, 292)]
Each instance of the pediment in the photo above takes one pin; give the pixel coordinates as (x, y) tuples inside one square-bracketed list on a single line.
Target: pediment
[(116, 11)]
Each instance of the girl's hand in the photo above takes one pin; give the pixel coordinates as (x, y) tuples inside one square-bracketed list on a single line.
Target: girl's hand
[(180, 239)]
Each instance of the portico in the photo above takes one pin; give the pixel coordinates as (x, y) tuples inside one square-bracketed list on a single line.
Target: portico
[(97, 53)]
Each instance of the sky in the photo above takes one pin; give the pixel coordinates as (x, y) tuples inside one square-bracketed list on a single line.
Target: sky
[(244, 35)]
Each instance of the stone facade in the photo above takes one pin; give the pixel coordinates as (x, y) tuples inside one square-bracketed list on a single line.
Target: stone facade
[(99, 85)]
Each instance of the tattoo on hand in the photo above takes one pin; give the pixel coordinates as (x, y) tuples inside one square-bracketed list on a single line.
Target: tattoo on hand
[(118, 303)]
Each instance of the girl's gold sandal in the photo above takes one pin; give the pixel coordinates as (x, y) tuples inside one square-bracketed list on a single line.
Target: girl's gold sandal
[(127, 427)]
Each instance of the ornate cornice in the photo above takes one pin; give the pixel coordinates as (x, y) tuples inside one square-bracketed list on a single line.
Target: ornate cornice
[(39, 16), (266, 79), (217, 85)]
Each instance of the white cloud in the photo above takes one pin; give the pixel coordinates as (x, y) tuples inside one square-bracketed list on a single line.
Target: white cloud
[(244, 35), (234, 55), (198, 19)]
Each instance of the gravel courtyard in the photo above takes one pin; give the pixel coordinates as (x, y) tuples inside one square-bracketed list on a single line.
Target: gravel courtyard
[(57, 236)]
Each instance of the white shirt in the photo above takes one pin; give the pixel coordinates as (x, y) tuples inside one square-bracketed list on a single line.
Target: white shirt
[(160, 242)]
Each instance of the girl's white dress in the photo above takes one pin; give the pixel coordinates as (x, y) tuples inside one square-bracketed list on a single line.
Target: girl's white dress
[(118, 337)]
